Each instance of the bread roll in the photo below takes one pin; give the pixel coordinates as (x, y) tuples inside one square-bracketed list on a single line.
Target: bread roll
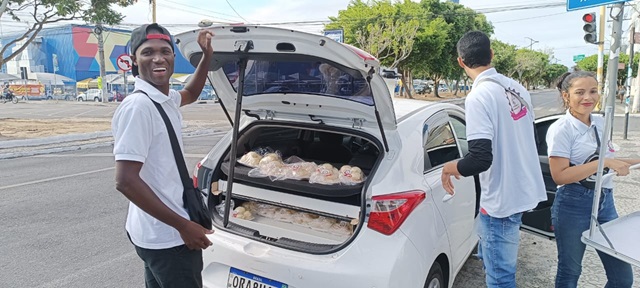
[(251, 159)]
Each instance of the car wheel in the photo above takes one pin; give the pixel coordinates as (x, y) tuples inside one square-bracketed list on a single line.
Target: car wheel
[(96, 99), (435, 279), (80, 99)]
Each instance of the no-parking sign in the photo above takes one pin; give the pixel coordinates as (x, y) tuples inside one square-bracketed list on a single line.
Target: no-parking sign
[(124, 62)]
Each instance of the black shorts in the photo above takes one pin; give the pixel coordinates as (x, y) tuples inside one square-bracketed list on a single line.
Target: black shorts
[(172, 267)]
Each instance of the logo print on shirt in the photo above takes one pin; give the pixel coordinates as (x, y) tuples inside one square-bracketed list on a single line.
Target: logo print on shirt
[(518, 109)]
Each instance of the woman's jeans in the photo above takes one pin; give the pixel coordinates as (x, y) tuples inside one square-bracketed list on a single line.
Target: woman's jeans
[(498, 249), (570, 216)]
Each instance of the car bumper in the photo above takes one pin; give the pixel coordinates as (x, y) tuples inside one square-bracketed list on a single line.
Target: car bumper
[(378, 261)]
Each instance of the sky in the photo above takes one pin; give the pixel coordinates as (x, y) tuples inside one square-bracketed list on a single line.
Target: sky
[(549, 29)]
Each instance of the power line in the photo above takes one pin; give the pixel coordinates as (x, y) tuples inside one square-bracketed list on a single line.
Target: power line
[(200, 9), (234, 10), (528, 18), (197, 13)]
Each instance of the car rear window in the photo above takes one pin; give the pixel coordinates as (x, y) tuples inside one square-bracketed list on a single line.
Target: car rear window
[(301, 77)]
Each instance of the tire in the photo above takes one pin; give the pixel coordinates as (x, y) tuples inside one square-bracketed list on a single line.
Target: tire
[(80, 99), (14, 100), (435, 279), (96, 99), (24, 98), (49, 98)]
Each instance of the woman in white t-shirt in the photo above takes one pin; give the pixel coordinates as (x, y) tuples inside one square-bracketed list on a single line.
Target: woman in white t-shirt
[(574, 142)]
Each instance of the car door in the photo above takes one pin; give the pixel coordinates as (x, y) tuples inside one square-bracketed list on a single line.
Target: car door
[(538, 220), (440, 145)]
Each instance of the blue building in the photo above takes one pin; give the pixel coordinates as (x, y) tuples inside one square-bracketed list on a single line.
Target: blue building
[(75, 49)]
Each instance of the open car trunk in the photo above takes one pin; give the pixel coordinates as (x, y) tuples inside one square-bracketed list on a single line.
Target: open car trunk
[(292, 201)]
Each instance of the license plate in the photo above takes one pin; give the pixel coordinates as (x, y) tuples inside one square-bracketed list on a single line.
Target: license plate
[(241, 279)]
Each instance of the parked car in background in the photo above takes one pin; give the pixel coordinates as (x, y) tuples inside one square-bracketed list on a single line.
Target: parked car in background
[(66, 97), (92, 95), (422, 88), (208, 94), (443, 87)]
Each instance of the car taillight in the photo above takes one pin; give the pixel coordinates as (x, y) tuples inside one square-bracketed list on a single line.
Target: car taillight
[(195, 174), (389, 211)]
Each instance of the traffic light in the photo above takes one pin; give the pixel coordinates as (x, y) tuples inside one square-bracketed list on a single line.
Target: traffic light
[(589, 28)]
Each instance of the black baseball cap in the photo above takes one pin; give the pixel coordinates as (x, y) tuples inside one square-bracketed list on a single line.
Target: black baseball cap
[(141, 35)]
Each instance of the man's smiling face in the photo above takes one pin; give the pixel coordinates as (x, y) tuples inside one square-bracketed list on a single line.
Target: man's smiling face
[(155, 61)]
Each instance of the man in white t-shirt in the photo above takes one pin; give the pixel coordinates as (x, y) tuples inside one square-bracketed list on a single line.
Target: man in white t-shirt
[(146, 172), (502, 151)]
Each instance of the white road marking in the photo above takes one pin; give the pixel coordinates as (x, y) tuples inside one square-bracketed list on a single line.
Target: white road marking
[(86, 112), (55, 178)]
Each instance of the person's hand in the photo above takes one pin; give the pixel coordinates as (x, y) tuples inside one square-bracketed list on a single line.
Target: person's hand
[(204, 40), (621, 167), (449, 169), (195, 236)]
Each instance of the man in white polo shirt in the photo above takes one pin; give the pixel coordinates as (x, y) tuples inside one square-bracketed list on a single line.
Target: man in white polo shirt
[(502, 150), (169, 244)]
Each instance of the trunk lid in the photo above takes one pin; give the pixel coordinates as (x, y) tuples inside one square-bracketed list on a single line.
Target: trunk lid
[(291, 74)]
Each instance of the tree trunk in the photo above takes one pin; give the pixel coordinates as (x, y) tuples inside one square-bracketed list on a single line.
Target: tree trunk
[(405, 87), (436, 83), (455, 91)]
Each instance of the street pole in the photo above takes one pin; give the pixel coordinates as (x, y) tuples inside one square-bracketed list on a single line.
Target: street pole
[(600, 73), (617, 12), (153, 10), (99, 30), (532, 42), (126, 84), (629, 79)]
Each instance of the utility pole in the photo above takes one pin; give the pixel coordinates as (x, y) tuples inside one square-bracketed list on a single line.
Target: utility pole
[(600, 72), (628, 82), (636, 96), (532, 42), (98, 30), (153, 10)]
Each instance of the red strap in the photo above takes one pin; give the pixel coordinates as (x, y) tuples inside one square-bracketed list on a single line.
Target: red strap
[(484, 212), (158, 36)]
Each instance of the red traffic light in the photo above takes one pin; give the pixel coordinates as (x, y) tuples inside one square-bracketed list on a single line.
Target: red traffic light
[(589, 17)]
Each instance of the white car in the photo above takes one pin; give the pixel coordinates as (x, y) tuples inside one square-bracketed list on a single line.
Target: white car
[(395, 228), (91, 95)]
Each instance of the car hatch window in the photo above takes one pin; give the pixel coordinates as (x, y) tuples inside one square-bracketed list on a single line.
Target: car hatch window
[(300, 75)]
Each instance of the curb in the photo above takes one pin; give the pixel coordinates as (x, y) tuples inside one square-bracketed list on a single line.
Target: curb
[(106, 143), (53, 139), (53, 150)]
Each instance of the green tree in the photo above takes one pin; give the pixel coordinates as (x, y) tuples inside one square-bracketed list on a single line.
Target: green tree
[(45, 12), (386, 30), (590, 63), (446, 21), (552, 72), (504, 57), (530, 65)]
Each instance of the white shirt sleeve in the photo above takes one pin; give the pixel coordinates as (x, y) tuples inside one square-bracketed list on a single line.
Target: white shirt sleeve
[(558, 141), (478, 119), (132, 132)]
